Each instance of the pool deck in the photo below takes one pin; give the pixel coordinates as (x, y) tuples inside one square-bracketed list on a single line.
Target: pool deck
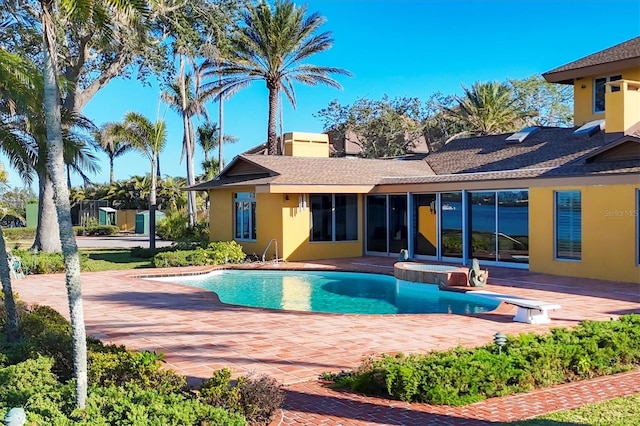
[(198, 334)]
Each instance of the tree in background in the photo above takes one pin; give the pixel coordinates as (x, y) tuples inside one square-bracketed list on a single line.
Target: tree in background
[(209, 139), (271, 46), (487, 109), (111, 147), (545, 104), (149, 139), (381, 128), (186, 96)]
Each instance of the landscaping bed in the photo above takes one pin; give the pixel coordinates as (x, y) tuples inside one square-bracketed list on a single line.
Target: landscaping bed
[(125, 387), (462, 376)]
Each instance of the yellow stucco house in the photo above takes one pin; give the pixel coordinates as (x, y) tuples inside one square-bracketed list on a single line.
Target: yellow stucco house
[(555, 200)]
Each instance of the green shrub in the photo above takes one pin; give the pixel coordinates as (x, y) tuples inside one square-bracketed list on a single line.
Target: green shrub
[(12, 234), (46, 263), (462, 376), (115, 365), (175, 227), (96, 230), (226, 252), (30, 384), (216, 253), (132, 405), (257, 398), (148, 253), (44, 332), (125, 387)]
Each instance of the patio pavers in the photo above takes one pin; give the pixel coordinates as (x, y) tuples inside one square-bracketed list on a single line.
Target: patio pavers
[(199, 334)]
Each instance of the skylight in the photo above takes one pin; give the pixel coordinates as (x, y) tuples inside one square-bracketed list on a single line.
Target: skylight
[(590, 128), (522, 134)]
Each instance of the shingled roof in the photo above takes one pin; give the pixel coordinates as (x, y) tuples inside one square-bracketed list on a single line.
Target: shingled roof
[(615, 58), (286, 170), (550, 152)]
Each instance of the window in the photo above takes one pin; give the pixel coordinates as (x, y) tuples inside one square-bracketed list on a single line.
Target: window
[(599, 90), (245, 219), (568, 226), (334, 217)]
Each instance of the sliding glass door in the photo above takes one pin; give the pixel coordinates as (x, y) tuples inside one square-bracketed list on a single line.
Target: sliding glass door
[(377, 223), (425, 217), (499, 226), (386, 223)]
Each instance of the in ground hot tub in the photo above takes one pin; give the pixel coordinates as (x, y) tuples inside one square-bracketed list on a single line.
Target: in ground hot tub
[(443, 275)]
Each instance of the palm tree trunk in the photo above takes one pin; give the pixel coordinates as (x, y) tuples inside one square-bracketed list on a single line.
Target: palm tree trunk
[(47, 237), (152, 207), (272, 140), (111, 174), (9, 301), (221, 132), (55, 165), (191, 177), (187, 141)]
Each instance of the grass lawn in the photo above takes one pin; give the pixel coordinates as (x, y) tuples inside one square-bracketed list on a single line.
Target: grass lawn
[(113, 259), (615, 412)]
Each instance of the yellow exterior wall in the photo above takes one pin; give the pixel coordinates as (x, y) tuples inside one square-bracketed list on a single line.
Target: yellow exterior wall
[(299, 144), (221, 214), (583, 96), (623, 107), (280, 218), (427, 225), (609, 233), (297, 226)]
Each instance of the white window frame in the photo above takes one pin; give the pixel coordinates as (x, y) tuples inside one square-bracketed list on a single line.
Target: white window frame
[(607, 79), (251, 199)]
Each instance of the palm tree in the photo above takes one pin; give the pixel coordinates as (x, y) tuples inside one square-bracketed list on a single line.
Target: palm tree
[(109, 146), (210, 169), (187, 97), (209, 139), (271, 46), (99, 14), (18, 78), (149, 139), (486, 109)]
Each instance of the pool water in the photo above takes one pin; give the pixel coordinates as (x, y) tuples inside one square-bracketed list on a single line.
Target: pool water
[(333, 292)]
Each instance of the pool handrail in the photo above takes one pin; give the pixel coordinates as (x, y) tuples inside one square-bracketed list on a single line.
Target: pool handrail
[(264, 253)]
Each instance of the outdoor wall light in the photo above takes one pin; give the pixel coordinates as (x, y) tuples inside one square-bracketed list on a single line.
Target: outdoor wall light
[(500, 340)]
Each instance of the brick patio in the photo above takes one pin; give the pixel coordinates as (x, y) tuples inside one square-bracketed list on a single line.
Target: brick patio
[(199, 334)]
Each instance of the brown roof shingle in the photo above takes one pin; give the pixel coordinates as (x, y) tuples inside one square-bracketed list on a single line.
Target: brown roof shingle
[(628, 51), (550, 152), (320, 171), (549, 147)]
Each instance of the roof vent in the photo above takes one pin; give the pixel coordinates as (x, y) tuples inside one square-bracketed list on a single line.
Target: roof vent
[(590, 128), (522, 134)]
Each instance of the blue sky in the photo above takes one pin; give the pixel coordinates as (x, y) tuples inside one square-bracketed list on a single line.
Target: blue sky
[(394, 47)]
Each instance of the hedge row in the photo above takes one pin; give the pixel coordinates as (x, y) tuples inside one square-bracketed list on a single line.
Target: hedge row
[(13, 234), (463, 376), (96, 230)]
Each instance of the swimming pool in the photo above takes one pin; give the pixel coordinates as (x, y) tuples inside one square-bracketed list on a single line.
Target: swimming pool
[(332, 292)]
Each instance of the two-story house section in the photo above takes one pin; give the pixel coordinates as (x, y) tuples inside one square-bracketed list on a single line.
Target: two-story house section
[(555, 200)]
